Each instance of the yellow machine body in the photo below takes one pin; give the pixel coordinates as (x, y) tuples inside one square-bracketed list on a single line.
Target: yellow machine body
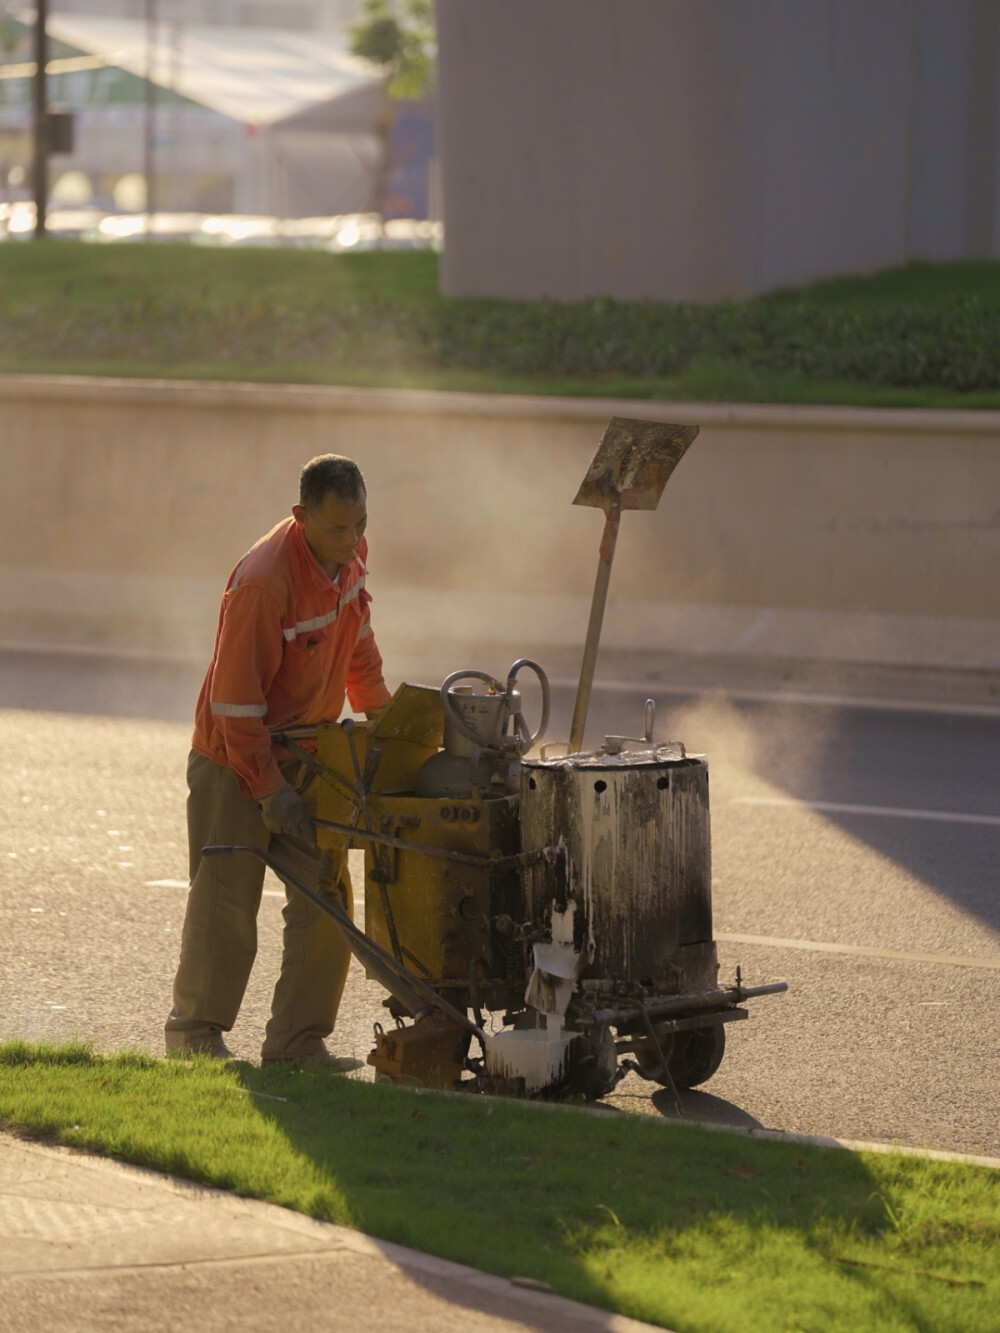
[(441, 910), (407, 734), (578, 906)]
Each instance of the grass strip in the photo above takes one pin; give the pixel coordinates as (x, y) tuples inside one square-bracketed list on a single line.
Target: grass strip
[(693, 1230), (924, 336)]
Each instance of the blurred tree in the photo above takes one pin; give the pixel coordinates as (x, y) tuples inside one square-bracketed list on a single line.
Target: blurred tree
[(8, 41), (403, 44)]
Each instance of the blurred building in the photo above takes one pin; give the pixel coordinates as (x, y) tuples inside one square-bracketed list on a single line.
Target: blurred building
[(710, 149), (246, 120), (294, 15)]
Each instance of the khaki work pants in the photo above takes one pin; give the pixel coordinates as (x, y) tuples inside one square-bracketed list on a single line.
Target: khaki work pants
[(219, 938)]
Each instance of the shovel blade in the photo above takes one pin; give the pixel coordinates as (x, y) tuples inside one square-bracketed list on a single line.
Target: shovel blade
[(633, 463)]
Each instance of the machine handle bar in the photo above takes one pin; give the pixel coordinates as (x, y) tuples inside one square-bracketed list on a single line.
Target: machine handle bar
[(407, 987), (518, 861)]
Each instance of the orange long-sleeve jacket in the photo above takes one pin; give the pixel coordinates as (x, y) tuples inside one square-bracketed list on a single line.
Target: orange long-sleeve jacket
[(290, 645)]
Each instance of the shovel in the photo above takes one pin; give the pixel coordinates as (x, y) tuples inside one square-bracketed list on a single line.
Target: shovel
[(632, 465)]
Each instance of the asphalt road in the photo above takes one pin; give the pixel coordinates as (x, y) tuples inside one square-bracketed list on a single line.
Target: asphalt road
[(856, 855)]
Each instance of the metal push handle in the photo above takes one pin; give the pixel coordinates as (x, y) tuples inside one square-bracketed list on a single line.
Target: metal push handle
[(416, 995)]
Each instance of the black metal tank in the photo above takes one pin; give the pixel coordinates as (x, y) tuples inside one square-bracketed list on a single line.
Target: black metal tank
[(636, 830)]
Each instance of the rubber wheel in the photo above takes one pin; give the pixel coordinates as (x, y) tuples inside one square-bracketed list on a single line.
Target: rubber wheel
[(697, 1055), (648, 1057)]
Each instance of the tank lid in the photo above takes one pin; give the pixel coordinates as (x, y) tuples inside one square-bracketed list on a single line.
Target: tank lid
[(656, 756)]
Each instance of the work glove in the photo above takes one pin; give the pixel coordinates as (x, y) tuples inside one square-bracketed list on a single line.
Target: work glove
[(284, 811)]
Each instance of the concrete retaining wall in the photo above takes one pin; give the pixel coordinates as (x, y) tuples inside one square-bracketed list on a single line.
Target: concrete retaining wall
[(813, 533)]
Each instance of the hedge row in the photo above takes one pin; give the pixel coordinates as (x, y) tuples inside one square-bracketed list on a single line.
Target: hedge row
[(955, 346)]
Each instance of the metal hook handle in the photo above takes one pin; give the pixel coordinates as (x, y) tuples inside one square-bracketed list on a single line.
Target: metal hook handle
[(522, 740)]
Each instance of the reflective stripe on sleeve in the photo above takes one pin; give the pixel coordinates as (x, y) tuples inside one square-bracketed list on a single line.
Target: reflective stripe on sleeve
[(319, 622), (304, 626), (351, 593), (239, 573), (365, 631), (238, 710)]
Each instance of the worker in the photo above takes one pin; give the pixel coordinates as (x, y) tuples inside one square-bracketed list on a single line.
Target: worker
[(294, 637)]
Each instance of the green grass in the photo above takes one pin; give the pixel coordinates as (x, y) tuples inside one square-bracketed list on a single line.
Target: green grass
[(926, 335), (672, 1224)]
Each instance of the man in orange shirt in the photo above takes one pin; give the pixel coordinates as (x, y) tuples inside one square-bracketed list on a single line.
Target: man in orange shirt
[(294, 638)]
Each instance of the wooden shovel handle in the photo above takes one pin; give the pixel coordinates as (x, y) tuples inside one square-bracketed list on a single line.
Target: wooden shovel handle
[(589, 664)]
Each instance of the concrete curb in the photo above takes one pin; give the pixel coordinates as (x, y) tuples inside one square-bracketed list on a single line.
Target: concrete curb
[(448, 402), (847, 1145)]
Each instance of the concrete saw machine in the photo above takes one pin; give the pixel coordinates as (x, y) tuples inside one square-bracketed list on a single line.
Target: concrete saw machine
[(540, 915)]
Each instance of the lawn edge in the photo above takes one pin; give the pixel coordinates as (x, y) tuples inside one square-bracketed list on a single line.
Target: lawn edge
[(754, 1132)]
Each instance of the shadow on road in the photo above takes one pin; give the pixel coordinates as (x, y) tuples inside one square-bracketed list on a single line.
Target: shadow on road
[(920, 762), (702, 1108)]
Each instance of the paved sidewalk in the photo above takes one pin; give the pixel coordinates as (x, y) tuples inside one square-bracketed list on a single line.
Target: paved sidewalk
[(90, 1244)]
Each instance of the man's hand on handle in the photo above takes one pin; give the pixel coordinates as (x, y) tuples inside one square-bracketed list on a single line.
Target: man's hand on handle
[(284, 811)]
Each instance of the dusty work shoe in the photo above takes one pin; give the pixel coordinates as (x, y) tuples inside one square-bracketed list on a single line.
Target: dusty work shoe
[(213, 1046), (319, 1058)]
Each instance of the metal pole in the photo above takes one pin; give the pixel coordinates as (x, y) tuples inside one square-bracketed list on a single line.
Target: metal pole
[(660, 1007), (149, 146), (41, 121), (608, 541)]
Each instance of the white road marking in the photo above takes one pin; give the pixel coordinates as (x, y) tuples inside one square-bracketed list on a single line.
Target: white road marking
[(863, 951), (880, 811)]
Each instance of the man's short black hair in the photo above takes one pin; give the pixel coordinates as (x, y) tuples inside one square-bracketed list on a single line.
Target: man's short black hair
[(330, 472)]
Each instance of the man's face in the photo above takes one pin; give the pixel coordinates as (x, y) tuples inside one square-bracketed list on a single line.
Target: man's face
[(333, 529)]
